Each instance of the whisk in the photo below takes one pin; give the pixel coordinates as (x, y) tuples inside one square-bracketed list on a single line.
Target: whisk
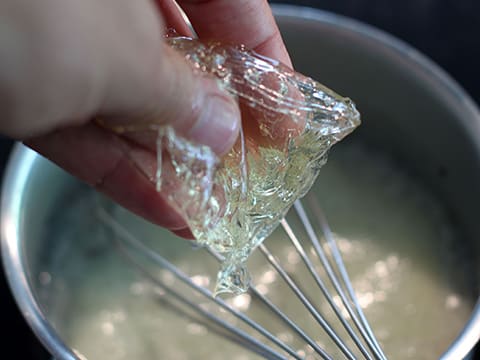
[(332, 282)]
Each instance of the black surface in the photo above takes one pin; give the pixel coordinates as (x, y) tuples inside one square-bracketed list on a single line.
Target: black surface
[(447, 31)]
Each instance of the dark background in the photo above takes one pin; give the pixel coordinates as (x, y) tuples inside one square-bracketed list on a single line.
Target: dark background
[(448, 31)]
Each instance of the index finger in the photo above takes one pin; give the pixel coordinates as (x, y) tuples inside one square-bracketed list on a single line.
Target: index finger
[(248, 22)]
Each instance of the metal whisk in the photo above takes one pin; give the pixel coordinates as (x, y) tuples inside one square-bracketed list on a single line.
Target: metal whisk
[(356, 339)]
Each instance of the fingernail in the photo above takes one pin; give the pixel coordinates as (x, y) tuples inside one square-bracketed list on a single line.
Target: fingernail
[(218, 123)]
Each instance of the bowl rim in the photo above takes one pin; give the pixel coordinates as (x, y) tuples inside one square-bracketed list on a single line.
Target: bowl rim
[(22, 161), (18, 170)]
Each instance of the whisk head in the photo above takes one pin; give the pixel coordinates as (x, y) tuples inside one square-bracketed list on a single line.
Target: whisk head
[(318, 334)]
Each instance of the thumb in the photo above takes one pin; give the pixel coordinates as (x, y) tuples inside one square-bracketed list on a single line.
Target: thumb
[(166, 91)]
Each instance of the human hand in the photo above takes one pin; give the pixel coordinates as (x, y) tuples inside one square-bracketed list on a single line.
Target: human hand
[(64, 63)]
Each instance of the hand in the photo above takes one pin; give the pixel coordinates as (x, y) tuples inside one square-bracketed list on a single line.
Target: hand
[(62, 63)]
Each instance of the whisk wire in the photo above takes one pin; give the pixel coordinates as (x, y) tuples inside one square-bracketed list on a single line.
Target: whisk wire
[(240, 336), (289, 322), (310, 307), (293, 238), (159, 260), (333, 265), (360, 321)]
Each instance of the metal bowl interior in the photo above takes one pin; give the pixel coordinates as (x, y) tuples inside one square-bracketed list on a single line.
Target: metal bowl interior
[(410, 109)]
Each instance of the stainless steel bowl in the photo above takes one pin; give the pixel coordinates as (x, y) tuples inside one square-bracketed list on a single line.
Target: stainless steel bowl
[(410, 107)]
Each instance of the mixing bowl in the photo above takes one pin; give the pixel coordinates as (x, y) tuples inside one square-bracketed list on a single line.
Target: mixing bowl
[(411, 110)]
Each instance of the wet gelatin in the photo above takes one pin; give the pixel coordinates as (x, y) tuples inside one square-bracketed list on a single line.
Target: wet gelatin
[(289, 122)]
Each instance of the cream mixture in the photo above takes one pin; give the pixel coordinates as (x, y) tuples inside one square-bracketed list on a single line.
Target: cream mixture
[(407, 263)]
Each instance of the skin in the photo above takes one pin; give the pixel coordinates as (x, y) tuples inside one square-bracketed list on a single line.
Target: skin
[(65, 63)]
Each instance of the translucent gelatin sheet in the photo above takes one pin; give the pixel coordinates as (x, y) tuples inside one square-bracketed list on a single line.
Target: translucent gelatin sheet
[(289, 123)]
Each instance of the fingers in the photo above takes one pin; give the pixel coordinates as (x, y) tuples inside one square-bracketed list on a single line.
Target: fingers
[(193, 105), (248, 22), (69, 61), (155, 85), (173, 17), (112, 165), (66, 62), (184, 233)]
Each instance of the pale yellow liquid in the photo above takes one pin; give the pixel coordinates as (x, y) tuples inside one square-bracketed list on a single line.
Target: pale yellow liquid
[(406, 261)]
